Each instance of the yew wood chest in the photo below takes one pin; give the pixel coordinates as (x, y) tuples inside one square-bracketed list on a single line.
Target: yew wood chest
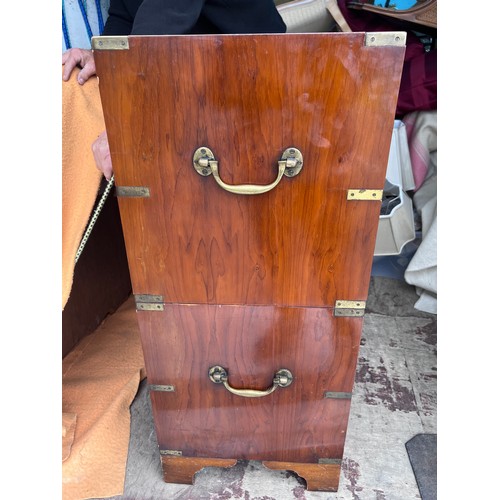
[(249, 171)]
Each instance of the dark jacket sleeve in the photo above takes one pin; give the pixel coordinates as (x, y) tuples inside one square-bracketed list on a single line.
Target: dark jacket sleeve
[(160, 17), (121, 14), (244, 16)]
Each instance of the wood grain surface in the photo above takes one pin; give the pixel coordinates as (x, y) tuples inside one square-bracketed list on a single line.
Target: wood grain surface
[(203, 419), (250, 282), (248, 98), (319, 477), (181, 470)]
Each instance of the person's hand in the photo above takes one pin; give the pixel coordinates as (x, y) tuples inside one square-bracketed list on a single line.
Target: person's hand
[(83, 58), (102, 156)]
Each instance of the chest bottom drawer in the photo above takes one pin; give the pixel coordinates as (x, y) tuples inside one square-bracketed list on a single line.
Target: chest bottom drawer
[(305, 421)]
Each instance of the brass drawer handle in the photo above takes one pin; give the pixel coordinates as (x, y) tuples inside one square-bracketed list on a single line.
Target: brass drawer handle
[(205, 164), (282, 378)]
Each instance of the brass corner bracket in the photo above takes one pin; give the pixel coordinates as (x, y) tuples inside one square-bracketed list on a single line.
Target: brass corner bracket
[(365, 194), (385, 38), (132, 191), (145, 302), (110, 43), (350, 308)]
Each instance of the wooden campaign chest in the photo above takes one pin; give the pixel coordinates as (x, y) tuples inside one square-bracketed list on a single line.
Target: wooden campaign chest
[(249, 172)]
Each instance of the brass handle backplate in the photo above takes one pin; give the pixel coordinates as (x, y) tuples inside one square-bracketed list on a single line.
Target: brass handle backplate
[(219, 375), (289, 165)]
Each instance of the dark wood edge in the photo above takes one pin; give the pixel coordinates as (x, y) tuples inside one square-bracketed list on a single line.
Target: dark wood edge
[(319, 477), (182, 469)]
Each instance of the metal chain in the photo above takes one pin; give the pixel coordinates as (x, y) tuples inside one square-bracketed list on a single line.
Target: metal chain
[(96, 213)]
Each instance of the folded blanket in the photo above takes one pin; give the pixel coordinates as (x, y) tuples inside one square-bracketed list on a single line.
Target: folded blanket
[(99, 382), (421, 127), (82, 122)]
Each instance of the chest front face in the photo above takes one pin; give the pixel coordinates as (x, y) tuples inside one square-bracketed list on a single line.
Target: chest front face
[(249, 170)]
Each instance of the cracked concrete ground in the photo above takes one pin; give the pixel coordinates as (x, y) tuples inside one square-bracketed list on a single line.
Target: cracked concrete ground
[(394, 399)]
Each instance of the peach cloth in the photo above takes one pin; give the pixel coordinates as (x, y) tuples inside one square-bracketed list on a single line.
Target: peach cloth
[(100, 379), (82, 122)]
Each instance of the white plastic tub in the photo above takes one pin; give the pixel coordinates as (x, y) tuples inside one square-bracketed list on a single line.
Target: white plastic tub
[(396, 225)]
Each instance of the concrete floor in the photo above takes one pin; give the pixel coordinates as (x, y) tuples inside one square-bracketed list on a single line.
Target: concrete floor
[(394, 399)]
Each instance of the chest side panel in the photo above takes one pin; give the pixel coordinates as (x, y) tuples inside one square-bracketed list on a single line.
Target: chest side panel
[(248, 98)]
